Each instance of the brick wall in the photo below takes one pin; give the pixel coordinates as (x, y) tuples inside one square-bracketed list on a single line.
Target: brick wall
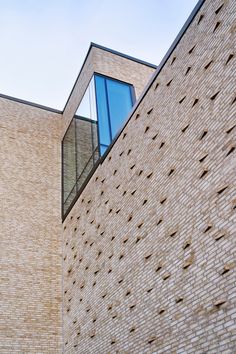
[(30, 224), (148, 250)]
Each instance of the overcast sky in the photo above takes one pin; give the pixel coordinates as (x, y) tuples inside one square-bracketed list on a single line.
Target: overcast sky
[(44, 42)]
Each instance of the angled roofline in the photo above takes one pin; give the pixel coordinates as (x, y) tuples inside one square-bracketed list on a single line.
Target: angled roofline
[(135, 107), (32, 104), (95, 45), (157, 72), (158, 69), (92, 44)]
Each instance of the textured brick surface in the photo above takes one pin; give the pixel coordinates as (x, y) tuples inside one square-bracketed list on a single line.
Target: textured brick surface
[(30, 222), (148, 254), (30, 253)]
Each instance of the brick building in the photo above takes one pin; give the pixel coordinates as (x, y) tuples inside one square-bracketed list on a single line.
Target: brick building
[(133, 251)]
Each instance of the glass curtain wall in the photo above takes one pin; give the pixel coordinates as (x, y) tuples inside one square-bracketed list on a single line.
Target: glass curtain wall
[(80, 149), (99, 117), (69, 165)]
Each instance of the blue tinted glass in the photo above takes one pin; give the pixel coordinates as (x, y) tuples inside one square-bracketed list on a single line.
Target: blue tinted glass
[(114, 102), (103, 148), (102, 110), (120, 104)]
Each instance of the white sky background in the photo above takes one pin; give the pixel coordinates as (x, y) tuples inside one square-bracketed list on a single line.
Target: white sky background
[(44, 42)]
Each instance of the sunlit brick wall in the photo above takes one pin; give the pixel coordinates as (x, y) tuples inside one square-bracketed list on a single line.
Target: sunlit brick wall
[(30, 228), (148, 254)]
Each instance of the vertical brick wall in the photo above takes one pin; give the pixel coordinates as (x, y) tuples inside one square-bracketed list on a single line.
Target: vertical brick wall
[(30, 224), (149, 247)]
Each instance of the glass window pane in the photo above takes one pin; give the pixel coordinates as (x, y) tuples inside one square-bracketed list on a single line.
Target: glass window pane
[(103, 149), (92, 100), (84, 106), (120, 104), (86, 148), (102, 110), (87, 106), (83, 144), (69, 164), (106, 108)]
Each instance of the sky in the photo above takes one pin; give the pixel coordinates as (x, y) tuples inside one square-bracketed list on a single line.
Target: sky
[(44, 42)]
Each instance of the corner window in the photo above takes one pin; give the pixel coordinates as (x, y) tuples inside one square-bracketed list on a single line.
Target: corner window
[(100, 116)]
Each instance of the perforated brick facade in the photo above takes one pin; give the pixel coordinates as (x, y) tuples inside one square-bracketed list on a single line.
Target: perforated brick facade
[(31, 279), (149, 247), (145, 260)]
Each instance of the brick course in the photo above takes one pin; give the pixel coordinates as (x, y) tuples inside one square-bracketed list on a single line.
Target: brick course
[(148, 259), (30, 253), (149, 246)]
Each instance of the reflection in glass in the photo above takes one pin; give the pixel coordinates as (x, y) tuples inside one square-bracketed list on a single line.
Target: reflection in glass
[(69, 164), (79, 154), (120, 104), (87, 107), (114, 102), (102, 110), (99, 117)]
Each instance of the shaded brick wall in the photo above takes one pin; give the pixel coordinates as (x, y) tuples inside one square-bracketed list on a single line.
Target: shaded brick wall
[(30, 224), (148, 254)]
